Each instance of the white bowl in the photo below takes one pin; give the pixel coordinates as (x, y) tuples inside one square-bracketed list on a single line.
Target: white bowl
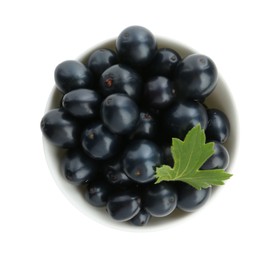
[(220, 98)]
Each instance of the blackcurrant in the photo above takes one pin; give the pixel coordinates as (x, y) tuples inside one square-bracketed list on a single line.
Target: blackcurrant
[(121, 78), (136, 46), (140, 159), (100, 143), (181, 116), (141, 219), (123, 205), (160, 199), (82, 103), (164, 63), (147, 127), (97, 193), (115, 175), (71, 74), (167, 155), (60, 128), (218, 128), (219, 160), (191, 199), (78, 168), (159, 92), (196, 77), (100, 60), (119, 113)]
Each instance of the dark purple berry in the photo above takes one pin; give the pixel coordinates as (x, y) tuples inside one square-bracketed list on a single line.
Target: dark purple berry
[(71, 75), (60, 128), (196, 77), (136, 46)]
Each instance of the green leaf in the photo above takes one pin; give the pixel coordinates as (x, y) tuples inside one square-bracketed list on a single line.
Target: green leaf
[(189, 155)]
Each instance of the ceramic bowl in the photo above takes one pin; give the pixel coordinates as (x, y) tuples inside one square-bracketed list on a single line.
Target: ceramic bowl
[(220, 98)]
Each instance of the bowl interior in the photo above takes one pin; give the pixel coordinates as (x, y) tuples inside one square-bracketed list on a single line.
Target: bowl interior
[(220, 98)]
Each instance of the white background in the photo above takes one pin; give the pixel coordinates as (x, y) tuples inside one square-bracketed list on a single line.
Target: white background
[(36, 219)]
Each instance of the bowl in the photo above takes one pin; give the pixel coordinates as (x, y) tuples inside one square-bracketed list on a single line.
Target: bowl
[(220, 98)]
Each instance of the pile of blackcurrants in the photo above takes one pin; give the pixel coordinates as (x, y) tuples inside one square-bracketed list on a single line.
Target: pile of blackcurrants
[(117, 117)]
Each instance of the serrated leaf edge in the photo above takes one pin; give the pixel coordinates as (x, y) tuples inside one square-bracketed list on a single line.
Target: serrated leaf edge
[(170, 171)]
